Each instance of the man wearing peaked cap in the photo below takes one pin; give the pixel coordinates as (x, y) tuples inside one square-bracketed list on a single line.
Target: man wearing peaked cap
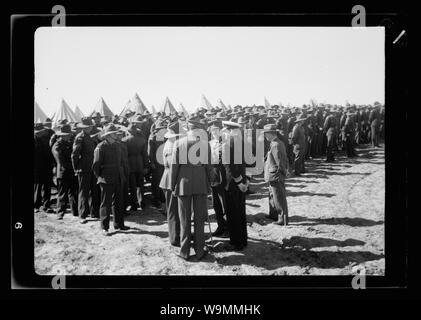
[(67, 184), (108, 167), (82, 159), (171, 201), (276, 168)]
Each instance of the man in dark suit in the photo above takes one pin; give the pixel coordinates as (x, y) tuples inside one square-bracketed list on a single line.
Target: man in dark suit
[(329, 129), (82, 158), (190, 183), (218, 192), (276, 168), (108, 167), (43, 168), (67, 183), (236, 186), (299, 142), (137, 149)]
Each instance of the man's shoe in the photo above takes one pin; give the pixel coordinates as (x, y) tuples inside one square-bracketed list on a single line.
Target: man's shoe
[(132, 208), (60, 217), (83, 221), (105, 233), (225, 234), (218, 232), (122, 228), (142, 205), (184, 258)]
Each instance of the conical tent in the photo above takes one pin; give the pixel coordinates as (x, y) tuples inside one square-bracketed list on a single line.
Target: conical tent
[(229, 107), (137, 105), (267, 104), (222, 105), (64, 112), (168, 107), (39, 115), (79, 115), (204, 103), (103, 109), (183, 110), (125, 109), (153, 110)]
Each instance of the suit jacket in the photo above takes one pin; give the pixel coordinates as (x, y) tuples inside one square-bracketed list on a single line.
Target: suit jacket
[(108, 163), (83, 153), (298, 136), (234, 170), (276, 163), (168, 152), (188, 178), (62, 152), (137, 150)]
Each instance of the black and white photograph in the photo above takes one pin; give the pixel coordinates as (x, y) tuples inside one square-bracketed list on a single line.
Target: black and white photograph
[(283, 134)]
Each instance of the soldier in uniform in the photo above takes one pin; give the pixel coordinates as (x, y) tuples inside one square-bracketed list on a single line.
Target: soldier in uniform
[(348, 136), (374, 119), (190, 183), (171, 201), (108, 167), (82, 158), (67, 183), (276, 168)]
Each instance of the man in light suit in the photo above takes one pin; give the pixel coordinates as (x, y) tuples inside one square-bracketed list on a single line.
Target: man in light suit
[(276, 168), (171, 201), (190, 183)]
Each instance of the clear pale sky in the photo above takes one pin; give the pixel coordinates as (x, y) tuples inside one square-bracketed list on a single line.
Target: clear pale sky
[(238, 65)]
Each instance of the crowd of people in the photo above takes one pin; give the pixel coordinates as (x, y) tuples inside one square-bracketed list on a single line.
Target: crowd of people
[(101, 165)]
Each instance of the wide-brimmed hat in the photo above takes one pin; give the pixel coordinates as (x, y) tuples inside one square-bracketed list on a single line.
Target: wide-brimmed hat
[(38, 127), (86, 122), (110, 129), (210, 113), (137, 119), (173, 130), (97, 115), (221, 115), (242, 120), (272, 114), (231, 124), (215, 124), (301, 118), (269, 128), (64, 130)]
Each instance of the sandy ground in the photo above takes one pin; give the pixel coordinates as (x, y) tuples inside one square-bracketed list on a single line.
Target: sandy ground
[(336, 223)]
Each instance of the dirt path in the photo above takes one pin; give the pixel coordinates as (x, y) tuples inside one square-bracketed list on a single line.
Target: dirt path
[(336, 222)]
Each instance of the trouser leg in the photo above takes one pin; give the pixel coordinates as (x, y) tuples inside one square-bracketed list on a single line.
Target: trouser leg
[(280, 200), (37, 195), (200, 210), (95, 196), (46, 188), (73, 194), (133, 200), (236, 218), (184, 212), (218, 202), (171, 203), (84, 180), (62, 198), (117, 207), (106, 204)]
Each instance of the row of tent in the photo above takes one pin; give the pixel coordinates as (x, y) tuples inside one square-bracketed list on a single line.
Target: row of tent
[(135, 105)]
